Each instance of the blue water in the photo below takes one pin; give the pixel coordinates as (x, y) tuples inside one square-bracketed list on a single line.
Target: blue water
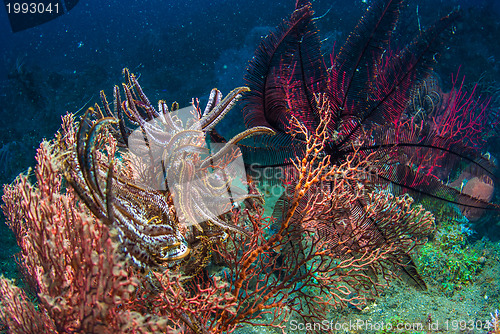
[(156, 34), (177, 35)]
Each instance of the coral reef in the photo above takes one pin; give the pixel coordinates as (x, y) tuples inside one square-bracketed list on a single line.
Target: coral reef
[(448, 259), (141, 219), (81, 264)]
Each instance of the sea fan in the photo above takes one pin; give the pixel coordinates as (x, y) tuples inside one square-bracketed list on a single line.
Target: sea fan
[(369, 89)]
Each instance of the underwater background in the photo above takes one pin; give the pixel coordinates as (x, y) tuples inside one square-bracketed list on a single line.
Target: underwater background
[(180, 50)]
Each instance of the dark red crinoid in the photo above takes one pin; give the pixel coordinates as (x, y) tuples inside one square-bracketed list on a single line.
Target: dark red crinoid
[(370, 90)]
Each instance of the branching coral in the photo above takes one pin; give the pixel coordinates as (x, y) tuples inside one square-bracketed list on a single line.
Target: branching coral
[(80, 277), (68, 257), (75, 257), (325, 244), (494, 324)]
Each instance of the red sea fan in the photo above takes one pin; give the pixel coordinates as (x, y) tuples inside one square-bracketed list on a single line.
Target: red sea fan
[(68, 256), (369, 88)]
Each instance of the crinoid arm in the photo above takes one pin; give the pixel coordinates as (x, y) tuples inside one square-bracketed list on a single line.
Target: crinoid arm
[(141, 217), (167, 189)]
